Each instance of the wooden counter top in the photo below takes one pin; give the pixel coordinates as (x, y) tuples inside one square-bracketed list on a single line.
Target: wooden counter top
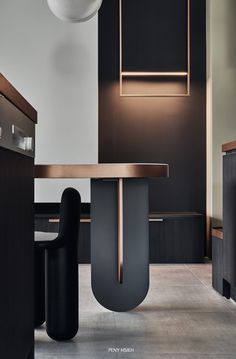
[(114, 170), (9, 92), (228, 147)]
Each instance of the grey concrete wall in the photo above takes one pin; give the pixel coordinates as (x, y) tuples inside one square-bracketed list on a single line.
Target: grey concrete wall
[(54, 65)]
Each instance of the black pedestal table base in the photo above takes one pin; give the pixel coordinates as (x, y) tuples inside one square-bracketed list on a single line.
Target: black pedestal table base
[(119, 242)]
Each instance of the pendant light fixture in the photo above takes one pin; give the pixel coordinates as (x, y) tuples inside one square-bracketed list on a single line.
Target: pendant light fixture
[(74, 10)]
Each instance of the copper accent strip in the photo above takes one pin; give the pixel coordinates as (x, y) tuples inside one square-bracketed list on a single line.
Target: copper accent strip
[(126, 170), (121, 46), (218, 233), (53, 220), (189, 47), (10, 93), (146, 74), (187, 73), (120, 231), (227, 147), (82, 220)]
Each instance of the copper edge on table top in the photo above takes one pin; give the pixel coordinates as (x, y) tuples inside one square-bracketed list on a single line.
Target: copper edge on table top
[(218, 233), (103, 170), (11, 94), (228, 147)]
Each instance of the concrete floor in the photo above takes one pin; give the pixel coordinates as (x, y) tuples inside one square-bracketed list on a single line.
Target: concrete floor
[(181, 318)]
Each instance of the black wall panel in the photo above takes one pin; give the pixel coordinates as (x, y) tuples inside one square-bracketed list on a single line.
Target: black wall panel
[(16, 255), (229, 213), (157, 129), (150, 31)]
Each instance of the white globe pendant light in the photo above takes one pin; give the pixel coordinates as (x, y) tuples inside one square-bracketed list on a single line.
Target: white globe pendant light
[(74, 10)]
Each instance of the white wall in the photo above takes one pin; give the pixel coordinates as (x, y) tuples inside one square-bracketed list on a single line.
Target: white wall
[(223, 88), (54, 65)]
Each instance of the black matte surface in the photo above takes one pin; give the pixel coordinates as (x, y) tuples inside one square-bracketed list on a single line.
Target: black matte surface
[(39, 286), (106, 288), (217, 264), (219, 283), (229, 218), (53, 208), (152, 29), (171, 130), (62, 271), (178, 239), (16, 255), (46, 211)]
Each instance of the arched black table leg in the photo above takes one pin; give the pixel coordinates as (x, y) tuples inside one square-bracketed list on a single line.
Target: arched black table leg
[(62, 293), (39, 286), (119, 242)]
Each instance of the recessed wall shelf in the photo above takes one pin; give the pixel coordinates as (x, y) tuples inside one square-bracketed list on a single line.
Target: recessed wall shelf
[(153, 83)]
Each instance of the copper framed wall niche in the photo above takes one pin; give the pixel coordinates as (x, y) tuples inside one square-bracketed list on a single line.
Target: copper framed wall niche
[(154, 76)]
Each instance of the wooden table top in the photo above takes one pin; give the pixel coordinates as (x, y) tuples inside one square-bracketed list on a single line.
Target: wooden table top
[(114, 170)]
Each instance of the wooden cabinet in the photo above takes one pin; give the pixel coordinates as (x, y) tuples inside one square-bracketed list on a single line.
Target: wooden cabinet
[(177, 238)]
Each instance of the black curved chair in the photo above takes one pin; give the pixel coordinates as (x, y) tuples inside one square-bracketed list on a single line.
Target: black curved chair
[(61, 272)]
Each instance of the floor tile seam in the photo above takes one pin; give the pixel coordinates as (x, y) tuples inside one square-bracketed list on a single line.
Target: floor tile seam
[(227, 303), (195, 276), (234, 314)]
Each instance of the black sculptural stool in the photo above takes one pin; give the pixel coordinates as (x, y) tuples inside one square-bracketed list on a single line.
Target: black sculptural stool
[(61, 271)]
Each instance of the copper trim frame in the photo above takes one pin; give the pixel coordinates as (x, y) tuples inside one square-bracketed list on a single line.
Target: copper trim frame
[(171, 74), (120, 231), (228, 147), (103, 171)]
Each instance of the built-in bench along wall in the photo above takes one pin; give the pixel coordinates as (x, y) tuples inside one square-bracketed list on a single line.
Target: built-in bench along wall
[(174, 238)]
